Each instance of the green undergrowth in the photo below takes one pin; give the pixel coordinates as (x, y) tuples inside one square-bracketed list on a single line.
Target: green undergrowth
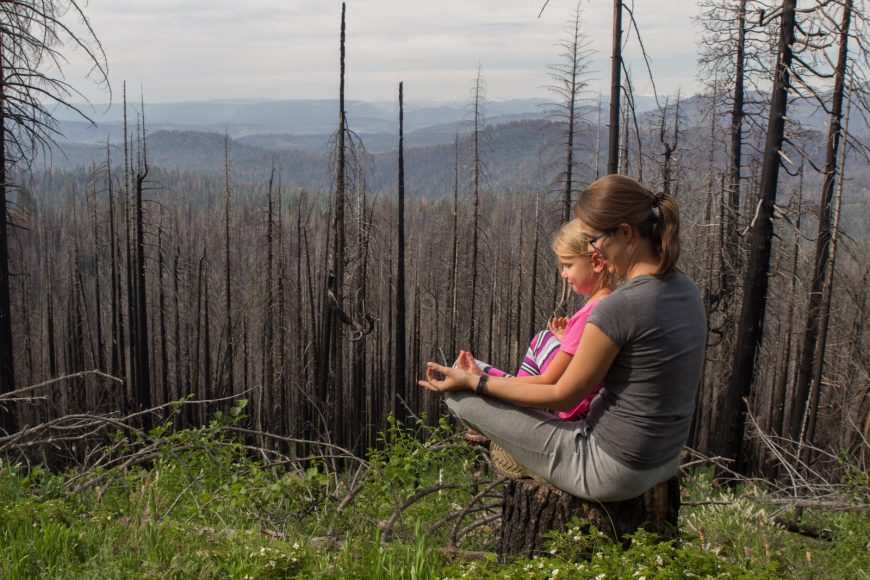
[(205, 506)]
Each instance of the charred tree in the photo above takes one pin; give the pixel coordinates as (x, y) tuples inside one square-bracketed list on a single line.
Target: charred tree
[(267, 394), (731, 250), (816, 326), (117, 334), (399, 356), (98, 294), (329, 356), (7, 359), (476, 177), (229, 358), (32, 86), (143, 370), (532, 509), (615, 89), (569, 85), (533, 285), (670, 144), (454, 254), (161, 319), (752, 314)]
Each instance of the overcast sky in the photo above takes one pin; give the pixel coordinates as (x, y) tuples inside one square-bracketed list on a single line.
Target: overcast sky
[(183, 50)]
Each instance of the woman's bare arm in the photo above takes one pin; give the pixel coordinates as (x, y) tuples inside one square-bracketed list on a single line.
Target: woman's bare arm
[(581, 376)]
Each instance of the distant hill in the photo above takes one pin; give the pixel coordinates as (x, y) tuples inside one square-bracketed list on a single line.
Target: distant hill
[(512, 154), (298, 117)]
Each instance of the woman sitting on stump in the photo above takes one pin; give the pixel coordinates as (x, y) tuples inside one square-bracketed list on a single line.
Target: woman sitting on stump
[(644, 342)]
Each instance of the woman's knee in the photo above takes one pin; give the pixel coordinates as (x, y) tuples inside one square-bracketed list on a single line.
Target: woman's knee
[(461, 403)]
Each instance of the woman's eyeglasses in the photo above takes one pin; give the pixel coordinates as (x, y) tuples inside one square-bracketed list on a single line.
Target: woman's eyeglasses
[(594, 239)]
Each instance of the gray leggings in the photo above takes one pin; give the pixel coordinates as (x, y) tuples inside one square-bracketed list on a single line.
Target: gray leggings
[(561, 452)]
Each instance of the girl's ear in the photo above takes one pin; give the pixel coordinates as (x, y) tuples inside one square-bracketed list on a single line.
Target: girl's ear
[(599, 262)]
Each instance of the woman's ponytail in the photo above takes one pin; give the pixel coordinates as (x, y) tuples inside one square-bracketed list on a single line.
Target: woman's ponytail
[(668, 233)]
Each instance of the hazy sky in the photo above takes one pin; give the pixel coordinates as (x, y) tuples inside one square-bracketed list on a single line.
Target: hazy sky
[(288, 49)]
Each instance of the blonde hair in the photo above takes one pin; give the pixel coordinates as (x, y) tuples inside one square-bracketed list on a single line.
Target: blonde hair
[(570, 241), (618, 199)]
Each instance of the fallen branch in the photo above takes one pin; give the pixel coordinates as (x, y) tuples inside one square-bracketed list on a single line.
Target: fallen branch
[(466, 510), (454, 532), (417, 496), (843, 505), (60, 379), (346, 501), (805, 529)]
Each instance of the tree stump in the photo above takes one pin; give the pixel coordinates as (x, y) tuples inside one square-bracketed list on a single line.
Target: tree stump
[(532, 509)]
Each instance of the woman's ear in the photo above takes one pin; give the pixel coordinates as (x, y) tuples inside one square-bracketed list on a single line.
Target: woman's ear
[(627, 231)]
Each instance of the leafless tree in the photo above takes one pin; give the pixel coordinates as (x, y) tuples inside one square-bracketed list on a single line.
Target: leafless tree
[(32, 34), (751, 322), (569, 84)]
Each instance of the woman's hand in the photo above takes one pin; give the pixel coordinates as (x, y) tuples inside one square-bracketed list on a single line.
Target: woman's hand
[(455, 379), (557, 326)]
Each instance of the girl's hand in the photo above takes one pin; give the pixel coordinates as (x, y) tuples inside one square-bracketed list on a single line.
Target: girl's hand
[(454, 379), (463, 362), (557, 326), (470, 366)]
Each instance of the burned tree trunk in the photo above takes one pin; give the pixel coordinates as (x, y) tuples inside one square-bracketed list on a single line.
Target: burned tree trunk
[(811, 362), (751, 324), (143, 371), (399, 358), (730, 251), (568, 86), (615, 85), (532, 509), (533, 286), (7, 361), (229, 377), (454, 259), (476, 174), (98, 292), (117, 335), (329, 355)]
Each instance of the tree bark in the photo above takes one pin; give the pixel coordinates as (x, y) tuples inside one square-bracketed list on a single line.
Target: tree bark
[(399, 359), (143, 371), (476, 172), (810, 369), (532, 509), (751, 327), (7, 360), (615, 89)]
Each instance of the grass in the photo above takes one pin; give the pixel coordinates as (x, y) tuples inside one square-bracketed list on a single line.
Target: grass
[(213, 511)]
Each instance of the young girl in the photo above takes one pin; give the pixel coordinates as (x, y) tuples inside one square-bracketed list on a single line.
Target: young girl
[(551, 350)]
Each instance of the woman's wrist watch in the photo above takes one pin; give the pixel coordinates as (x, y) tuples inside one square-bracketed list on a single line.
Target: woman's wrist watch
[(480, 389)]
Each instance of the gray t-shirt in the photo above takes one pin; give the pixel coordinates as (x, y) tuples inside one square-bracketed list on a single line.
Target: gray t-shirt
[(644, 412)]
